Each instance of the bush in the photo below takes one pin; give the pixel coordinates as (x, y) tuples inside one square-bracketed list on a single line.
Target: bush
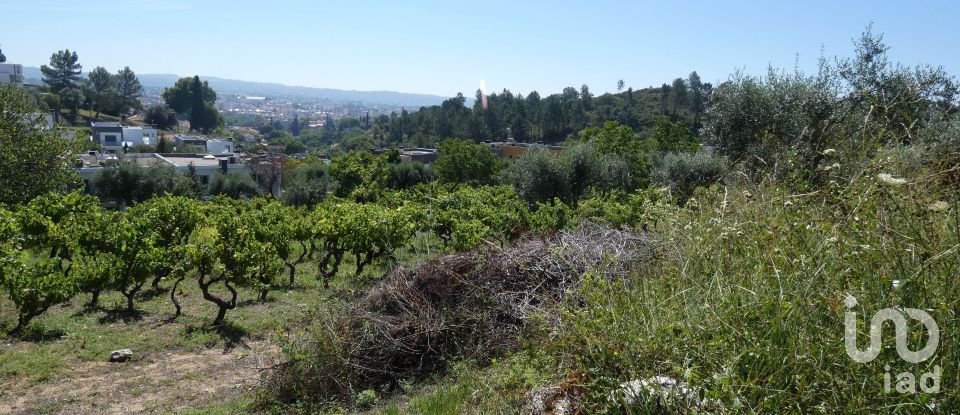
[(406, 174), (541, 177), (234, 184), (684, 172)]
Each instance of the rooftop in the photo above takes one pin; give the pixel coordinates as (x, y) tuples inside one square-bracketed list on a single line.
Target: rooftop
[(186, 160)]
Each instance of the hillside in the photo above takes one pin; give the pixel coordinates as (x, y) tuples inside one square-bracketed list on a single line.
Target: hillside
[(233, 86)]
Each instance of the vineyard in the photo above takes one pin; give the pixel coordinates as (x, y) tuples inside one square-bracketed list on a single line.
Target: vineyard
[(62, 246)]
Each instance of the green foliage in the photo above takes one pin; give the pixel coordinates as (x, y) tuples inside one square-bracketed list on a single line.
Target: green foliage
[(237, 185), (128, 182), (462, 162), (63, 71), (674, 137), (464, 218), (128, 89), (306, 184), (639, 209), (621, 141), (180, 97), (748, 303), (194, 98), (34, 160), (359, 175), (37, 255), (785, 122), (407, 174), (684, 172), (366, 398), (100, 83), (540, 176), (367, 231), (161, 116), (550, 217)]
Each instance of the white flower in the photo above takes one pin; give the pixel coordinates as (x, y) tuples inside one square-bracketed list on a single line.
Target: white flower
[(829, 152), (939, 206), (896, 284), (888, 179), (835, 165)]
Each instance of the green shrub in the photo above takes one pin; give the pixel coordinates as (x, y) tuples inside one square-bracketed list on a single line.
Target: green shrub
[(684, 172)]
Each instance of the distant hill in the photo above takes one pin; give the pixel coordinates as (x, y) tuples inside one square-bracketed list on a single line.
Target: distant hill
[(232, 86)]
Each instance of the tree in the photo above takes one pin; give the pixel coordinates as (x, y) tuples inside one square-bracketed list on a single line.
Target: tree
[(63, 72), (128, 88), (34, 160), (679, 94), (620, 141), (359, 175), (307, 184), (620, 85), (236, 185), (179, 97), (295, 126), (664, 98), (697, 98), (100, 82), (73, 98), (161, 116), (674, 137), (195, 99), (406, 174), (464, 162), (128, 182), (2, 57)]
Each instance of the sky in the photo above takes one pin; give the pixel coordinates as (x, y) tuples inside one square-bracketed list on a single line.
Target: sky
[(443, 47)]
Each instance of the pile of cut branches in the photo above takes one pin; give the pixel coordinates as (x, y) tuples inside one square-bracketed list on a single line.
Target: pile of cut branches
[(470, 305)]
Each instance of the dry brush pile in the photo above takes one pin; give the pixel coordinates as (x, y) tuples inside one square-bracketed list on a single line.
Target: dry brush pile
[(470, 305)]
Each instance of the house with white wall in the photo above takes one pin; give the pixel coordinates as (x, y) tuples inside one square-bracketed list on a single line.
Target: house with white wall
[(113, 136)]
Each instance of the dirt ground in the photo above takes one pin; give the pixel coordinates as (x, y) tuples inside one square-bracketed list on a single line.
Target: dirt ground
[(155, 383)]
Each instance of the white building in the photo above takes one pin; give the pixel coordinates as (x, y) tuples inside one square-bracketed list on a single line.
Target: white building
[(114, 136), (133, 136), (219, 146), (206, 167), (11, 74)]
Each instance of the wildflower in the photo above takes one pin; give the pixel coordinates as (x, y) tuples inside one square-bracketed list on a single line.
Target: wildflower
[(829, 152), (939, 206), (888, 179), (835, 166), (896, 284)]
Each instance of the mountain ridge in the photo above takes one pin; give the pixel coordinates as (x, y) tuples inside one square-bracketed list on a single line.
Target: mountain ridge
[(234, 86)]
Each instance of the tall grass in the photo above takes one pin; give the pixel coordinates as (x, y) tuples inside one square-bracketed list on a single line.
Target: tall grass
[(747, 301)]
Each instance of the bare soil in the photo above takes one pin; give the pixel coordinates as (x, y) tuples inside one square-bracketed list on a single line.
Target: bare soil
[(158, 382)]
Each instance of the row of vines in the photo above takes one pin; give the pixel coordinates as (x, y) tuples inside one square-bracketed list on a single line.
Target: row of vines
[(60, 246)]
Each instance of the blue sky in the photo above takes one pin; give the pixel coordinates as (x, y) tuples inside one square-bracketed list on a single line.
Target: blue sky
[(442, 47)]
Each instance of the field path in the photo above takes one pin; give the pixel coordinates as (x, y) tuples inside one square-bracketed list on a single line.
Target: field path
[(159, 382)]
